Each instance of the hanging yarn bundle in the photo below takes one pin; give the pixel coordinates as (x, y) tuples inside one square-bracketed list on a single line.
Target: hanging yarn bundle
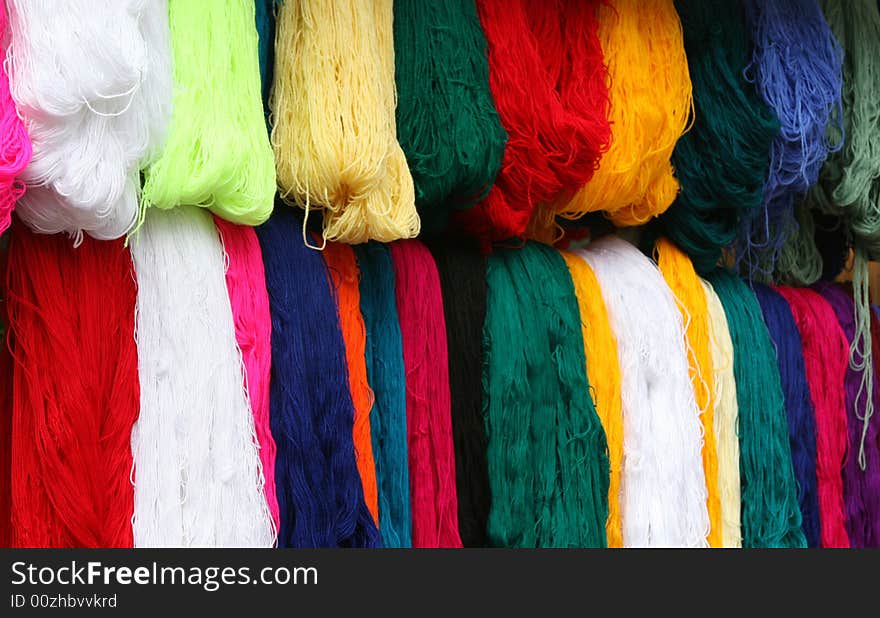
[(197, 475), (826, 358), (75, 398), (246, 285), (725, 420), (721, 163), (433, 493), (796, 68), (387, 377), (462, 272), (548, 465), (770, 513), (217, 154), (333, 110), (861, 486), (798, 404), (320, 493), (446, 120), (664, 487), (547, 76), (15, 145), (343, 270), (265, 19), (5, 423), (685, 285), (92, 81), (603, 376), (650, 96)]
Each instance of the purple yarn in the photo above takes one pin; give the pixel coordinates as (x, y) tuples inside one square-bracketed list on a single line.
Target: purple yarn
[(798, 404), (796, 67), (861, 488)]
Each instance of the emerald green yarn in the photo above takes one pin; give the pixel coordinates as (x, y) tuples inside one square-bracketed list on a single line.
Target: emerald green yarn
[(770, 513), (547, 453), (446, 119)]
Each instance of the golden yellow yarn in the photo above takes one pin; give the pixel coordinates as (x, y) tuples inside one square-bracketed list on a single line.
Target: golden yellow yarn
[(603, 371), (726, 413), (333, 104), (682, 279)]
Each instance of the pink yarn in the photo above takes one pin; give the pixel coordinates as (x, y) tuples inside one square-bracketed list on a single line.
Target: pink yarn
[(246, 283), (15, 145), (433, 496)]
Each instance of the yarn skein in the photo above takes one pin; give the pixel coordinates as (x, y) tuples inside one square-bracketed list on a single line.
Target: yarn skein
[(265, 20), (798, 404), (433, 495), (197, 475), (320, 492), (861, 488), (547, 455), (246, 286), (721, 163), (334, 129), (5, 424), (725, 420), (770, 513), (15, 145), (664, 486), (683, 282), (446, 119), (547, 76), (387, 377), (344, 276), (75, 391), (217, 153), (603, 376), (462, 271), (826, 359)]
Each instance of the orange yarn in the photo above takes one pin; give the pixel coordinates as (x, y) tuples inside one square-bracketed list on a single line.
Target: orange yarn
[(342, 266)]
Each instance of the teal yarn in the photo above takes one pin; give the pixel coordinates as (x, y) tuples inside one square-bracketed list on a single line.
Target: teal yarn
[(265, 16), (387, 378), (722, 162), (547, 453), (770, 513), (447, 124)]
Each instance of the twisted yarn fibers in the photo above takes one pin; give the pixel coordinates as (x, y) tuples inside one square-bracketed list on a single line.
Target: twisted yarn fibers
[(770, 513), (664, 486), (320, 492), (547, 456), (798, 404), (5, 424), (15, 145), (265, 20), (603, 376), (333, 110), (197, 475), (92, 81), (725, 420), (75, 396), (217, 154)]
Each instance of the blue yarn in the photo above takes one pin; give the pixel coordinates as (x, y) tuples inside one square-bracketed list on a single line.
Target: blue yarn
[(798, 403), (387, 377), (265, 10), (319, 489), (796, 67)]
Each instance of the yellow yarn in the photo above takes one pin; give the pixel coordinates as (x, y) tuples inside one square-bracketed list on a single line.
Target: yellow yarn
[(651, 106), (603, 371), (682, 279), (726, 413), (333, 106)]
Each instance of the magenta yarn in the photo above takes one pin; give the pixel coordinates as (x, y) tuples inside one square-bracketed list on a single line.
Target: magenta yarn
[(15, 145)]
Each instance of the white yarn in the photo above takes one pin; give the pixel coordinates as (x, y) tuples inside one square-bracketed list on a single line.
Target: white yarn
[(92, 80), (663, 487), (197, 474), (725, 420)]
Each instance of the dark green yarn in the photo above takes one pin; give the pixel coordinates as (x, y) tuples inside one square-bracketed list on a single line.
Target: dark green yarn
[(722, 162), (770, 513), (547, 454), (265, 22), (446, 119)]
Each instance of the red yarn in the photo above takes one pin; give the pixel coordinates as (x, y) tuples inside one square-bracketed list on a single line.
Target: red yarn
[(548, 79), (428, 403), (5, 423), (826, 356), (75, 390)]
